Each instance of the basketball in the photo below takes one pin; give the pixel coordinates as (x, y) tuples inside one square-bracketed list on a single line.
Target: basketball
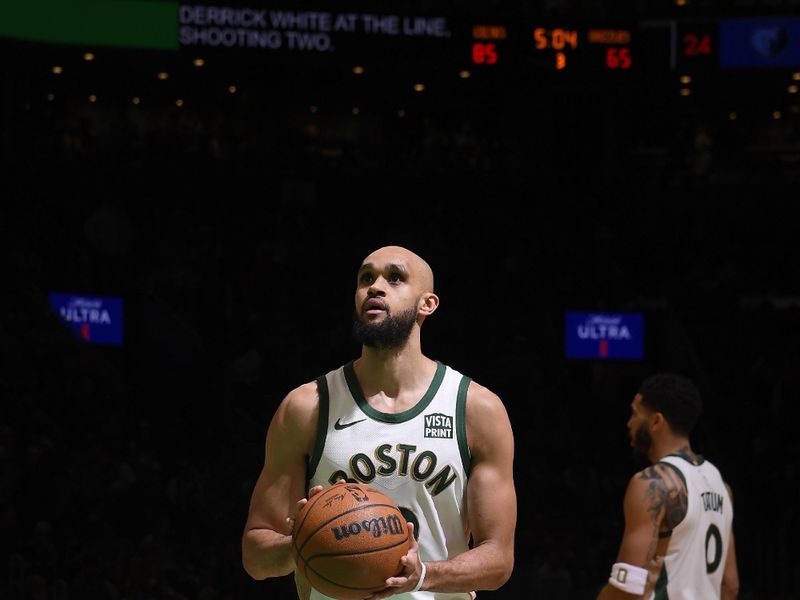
[(348, 539)]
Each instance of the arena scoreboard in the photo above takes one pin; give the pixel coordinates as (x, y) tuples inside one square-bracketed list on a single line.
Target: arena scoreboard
[(554, 46), (516, 46), (427, 40)]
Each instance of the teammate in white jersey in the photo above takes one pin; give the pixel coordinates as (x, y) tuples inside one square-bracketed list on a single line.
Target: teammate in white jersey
[(678, 539), (437, 442)]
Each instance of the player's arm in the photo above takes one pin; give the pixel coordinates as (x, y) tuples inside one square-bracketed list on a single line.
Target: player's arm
[(491, 501), (730, 576), (491, 509), (267, 534), (654, 499)]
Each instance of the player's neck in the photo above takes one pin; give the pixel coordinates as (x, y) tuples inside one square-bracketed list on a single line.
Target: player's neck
[(678, 446), (392, 370)]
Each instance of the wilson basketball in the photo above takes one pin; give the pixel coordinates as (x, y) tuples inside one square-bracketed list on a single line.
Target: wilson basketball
[(348, 539)]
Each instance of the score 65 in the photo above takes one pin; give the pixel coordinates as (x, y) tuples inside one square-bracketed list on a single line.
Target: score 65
[(618, 58)]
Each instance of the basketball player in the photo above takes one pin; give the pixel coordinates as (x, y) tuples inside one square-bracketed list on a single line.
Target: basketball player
[(439, 444), (678, 538)]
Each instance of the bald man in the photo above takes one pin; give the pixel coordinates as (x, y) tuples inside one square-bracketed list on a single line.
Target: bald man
[(439, 444)]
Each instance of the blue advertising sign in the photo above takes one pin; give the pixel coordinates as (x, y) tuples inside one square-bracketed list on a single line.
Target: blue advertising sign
[(95, 319), (617, 336), (765, 42)]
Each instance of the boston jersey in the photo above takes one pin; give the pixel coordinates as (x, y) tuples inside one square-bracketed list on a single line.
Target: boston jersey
[(419, 458), (695, 558)]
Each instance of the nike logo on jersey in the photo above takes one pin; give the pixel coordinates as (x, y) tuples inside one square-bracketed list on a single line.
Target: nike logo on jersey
[(339, 425)]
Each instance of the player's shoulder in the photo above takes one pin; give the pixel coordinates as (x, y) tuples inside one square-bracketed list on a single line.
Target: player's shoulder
[(483, 400), (659, 476), (300, 405)]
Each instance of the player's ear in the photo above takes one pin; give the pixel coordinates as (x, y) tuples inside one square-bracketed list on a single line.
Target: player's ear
[(428, 304), (657, 421)]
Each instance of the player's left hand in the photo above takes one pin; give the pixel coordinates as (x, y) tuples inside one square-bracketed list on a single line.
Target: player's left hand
[(407, 580)]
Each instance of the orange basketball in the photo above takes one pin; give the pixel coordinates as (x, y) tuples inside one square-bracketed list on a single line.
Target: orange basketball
[(348, 539)]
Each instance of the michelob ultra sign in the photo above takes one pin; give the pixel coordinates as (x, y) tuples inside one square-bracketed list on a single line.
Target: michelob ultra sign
[(95, 319), (604, 336)]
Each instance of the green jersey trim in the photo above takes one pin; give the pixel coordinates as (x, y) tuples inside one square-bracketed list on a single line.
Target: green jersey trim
[(322, 426), (660, 592), (676, 469), (700, 459), (461, 423), (668, 532), (407, 415)]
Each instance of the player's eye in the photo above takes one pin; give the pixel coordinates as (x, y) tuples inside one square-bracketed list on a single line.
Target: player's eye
[(366, 278), (395, 277)]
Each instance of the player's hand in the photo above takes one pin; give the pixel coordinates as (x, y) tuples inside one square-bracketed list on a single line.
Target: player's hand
[(407, 580), (290, 520)]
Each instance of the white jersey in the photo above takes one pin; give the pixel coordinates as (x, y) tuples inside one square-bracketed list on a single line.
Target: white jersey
[(419, 458), (695, 558)]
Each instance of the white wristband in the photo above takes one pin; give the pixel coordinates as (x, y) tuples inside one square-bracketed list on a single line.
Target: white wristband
[(628, 578), (421, 577)]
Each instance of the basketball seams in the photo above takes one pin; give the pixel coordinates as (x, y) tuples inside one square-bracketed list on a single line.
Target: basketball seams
[(355, 552), (359, 552), (311, 503), (299, 527), (337, 558)]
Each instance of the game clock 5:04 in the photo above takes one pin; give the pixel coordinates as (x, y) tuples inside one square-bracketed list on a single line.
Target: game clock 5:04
[(610, 46)]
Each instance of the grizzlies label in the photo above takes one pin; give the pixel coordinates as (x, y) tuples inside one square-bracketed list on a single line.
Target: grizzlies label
[(438, 425)]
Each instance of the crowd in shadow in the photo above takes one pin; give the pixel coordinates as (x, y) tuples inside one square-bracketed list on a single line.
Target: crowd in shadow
[(125, 472)]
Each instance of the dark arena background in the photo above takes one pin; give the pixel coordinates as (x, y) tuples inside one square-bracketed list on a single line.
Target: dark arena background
[(604, 190)]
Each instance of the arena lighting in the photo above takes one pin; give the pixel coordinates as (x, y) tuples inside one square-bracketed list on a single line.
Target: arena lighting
[(401, 113), (796, 76), (136, 100), (313, 109), (358, 70), (232, 89), (777, 115), (356, 110), (57, 70), (92, 98), (464, 74), (179, 103), (686, 79), (163, 75), (198, 62), (732, 116), (88, 56), (792, 89), (419, 87), (51, 97), (686, 92)]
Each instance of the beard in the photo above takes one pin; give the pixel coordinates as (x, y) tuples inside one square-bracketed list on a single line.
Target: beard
[(642, 440), (392, 332)]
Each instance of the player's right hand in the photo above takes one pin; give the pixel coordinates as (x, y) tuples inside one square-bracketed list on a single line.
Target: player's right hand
[(290, 520)]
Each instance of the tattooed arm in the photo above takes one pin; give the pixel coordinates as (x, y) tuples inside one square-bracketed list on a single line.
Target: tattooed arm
[(655, 501), (730, 576)]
